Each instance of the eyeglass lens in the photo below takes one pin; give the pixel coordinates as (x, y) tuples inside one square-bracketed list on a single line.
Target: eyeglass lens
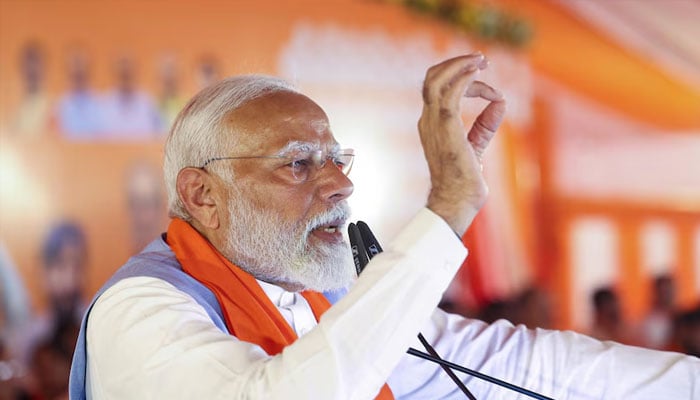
[(306, 166)]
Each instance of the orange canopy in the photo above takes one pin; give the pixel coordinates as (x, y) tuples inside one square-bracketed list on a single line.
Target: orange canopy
[(567, 50)]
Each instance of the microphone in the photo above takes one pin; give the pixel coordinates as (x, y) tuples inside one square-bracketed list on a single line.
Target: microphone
[(371, 243), (359, 255), (364, 247), (363, 241)]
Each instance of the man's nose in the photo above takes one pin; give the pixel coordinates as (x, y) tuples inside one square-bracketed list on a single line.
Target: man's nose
[(334, 185)]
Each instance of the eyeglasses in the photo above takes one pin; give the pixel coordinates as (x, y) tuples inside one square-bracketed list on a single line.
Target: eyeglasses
[(304, 165)]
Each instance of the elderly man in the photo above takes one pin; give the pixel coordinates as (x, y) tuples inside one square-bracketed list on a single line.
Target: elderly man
[(226, 304)]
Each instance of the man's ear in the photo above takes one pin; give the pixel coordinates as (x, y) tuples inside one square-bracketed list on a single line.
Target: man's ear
[(195, 189)]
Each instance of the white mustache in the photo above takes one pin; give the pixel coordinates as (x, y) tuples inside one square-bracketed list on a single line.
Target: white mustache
[(340, 212)]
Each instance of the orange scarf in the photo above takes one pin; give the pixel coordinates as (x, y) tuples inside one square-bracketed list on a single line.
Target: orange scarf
[(248, 312)]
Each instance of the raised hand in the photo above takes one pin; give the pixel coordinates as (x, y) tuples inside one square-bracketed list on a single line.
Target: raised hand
[(458, 189)]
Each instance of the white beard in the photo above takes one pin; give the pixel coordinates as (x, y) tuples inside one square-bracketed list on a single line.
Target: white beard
[(263, 245)]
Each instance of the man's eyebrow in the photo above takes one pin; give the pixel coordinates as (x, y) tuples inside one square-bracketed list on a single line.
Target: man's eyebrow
[(296, 145)]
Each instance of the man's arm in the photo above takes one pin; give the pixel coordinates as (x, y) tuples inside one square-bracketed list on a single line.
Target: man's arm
[(558, 364)]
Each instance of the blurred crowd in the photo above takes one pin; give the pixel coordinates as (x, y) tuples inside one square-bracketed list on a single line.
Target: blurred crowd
[(36, 346), (36, 343), (665, 326), (123, 112)]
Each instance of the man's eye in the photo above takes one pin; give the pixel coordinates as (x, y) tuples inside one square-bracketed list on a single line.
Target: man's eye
[(300, 163), (338, 162)]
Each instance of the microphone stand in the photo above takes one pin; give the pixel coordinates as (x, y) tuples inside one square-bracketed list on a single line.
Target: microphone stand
[(476, 374)]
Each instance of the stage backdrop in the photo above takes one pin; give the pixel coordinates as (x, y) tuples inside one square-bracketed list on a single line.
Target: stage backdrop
[(575, 198)]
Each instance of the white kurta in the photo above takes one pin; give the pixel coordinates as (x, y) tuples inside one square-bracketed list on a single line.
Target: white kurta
[(148, 340)]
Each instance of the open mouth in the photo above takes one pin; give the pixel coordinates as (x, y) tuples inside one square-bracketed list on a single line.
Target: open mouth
[(330, 232), (330, 228)]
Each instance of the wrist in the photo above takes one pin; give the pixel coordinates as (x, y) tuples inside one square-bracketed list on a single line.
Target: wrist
[(459, 218)]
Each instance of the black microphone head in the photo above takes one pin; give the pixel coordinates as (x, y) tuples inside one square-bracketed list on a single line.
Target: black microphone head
[(370, 241), (359, 255)]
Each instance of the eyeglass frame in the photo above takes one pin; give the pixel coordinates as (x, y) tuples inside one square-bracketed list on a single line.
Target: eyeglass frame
[(318, 164)]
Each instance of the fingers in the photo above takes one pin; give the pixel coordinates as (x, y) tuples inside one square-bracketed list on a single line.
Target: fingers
[(457, 87), (450, 77), (486, 92)]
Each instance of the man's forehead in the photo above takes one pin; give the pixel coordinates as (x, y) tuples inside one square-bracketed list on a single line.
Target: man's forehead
[(276, 120), (319, 124)]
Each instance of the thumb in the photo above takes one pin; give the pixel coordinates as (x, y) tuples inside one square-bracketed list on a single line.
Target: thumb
[(486, 125)]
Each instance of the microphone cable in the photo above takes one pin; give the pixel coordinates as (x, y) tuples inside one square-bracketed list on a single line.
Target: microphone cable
[(364, 246)]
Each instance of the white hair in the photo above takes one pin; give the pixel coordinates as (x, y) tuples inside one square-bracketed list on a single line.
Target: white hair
[(200, 131)]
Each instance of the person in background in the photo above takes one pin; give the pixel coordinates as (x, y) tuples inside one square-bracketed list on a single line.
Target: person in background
[(64, 259), (657, 326), (78, 112), (32, 117), (497, 309), (608, 322), (50, 362), (207, 71), (170, 102), (148, 215), (685, 336), (12, 380), (533, 308), (15, 311), (14, 320), (129, 113), (49, 338)]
